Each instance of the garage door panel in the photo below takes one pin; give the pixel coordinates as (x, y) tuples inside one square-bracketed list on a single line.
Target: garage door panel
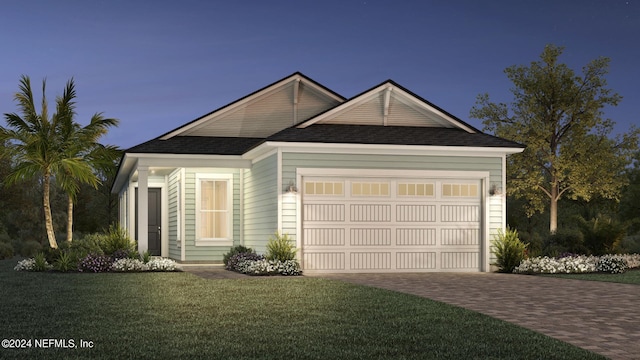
[(415, 213), (332, 261), (324, 236), (370, 260), (324, 212), (450, 260), (370, 237), (370, 213), (460, 236), (416, 260), (412, 237), (457, 213)]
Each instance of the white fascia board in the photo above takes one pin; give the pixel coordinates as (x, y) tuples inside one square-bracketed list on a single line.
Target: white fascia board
[(384, 149), (396, 173), (125, 171), (183, 160)]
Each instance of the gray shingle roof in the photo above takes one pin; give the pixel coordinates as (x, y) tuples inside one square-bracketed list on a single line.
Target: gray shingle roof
[(391, 135), (204, 145)]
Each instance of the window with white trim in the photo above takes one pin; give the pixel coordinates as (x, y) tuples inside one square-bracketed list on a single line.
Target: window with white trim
[(214, 209)]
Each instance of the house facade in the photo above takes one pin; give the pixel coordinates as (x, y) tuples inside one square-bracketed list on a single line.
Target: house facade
[(384, 181)]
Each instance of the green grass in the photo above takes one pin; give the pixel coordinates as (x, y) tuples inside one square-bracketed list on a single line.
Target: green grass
[(629, 277), (178, 315)]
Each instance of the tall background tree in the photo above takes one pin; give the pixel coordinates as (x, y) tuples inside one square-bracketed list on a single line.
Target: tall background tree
[(558, 115), (50, 148)]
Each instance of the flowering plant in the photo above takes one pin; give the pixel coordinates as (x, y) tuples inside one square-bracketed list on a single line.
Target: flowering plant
[(254, 264), (25, 265), (126, 264), (95, 263), (613, 264), (161, 264), (578, 264)]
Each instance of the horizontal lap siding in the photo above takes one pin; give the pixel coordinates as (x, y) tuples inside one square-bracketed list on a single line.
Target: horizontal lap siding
[(211, 254), (174, 250), (261, 203), (291, 161)]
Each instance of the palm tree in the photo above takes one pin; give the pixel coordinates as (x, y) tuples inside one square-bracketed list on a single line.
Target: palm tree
[(32, 143), (46, 146), (84, 157)]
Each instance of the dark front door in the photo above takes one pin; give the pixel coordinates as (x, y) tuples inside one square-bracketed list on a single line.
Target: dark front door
[(154, 229), (154, 221)]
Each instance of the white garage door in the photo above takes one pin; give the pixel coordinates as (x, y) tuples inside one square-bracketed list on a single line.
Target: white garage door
[(390, 224)]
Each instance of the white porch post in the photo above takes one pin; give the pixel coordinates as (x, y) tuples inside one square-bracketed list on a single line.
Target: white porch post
[(143, 209)]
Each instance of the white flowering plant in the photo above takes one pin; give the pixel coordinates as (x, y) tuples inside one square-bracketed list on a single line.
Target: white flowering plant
[(161, 264), (127, 264), (577, 264), (25, 265), (254, 264)]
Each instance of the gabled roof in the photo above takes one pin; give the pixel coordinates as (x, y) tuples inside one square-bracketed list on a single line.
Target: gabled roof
[(389, 104), (284, 103), (390, 135)]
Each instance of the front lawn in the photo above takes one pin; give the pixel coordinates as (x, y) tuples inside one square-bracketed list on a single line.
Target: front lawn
[(629, 277), (179, 315)]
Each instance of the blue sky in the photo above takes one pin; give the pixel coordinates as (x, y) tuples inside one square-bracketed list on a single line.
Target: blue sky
[(157, 65)]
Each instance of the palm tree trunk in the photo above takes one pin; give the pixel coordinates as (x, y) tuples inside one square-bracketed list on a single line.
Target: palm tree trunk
[(70, 218), (48, 220)]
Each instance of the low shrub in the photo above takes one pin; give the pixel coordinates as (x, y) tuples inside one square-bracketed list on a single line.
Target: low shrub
[(602, 234), (509, 250), (161, 264), (127, 264), (280, 247), (235, 261), (236, 250), (254, 264), (65, 262), (25, 265), (564, 240), (6, 251), (550, 265), (117, 239), (30, 248), (88, 244), (40, 263), (95, 263), (613, 264), (579, 264)]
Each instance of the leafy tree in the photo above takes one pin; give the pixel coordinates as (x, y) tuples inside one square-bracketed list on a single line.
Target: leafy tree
[(558, 116)]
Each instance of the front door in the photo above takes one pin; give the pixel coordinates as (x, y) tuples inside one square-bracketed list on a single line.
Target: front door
[(154, 229)]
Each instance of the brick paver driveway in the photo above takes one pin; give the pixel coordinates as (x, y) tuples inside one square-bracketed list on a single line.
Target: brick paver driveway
[(598, 316)]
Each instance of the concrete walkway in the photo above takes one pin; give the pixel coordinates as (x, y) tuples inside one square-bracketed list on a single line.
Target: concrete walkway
[(598, 316)]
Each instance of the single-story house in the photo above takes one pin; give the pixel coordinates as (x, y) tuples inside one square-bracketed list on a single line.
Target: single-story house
[(384, 181)]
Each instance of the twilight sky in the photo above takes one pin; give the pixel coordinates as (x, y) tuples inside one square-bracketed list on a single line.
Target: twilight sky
[(156, 65)]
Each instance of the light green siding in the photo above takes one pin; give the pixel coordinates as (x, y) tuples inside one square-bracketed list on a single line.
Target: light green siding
[(172, 203), (261, 203)]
